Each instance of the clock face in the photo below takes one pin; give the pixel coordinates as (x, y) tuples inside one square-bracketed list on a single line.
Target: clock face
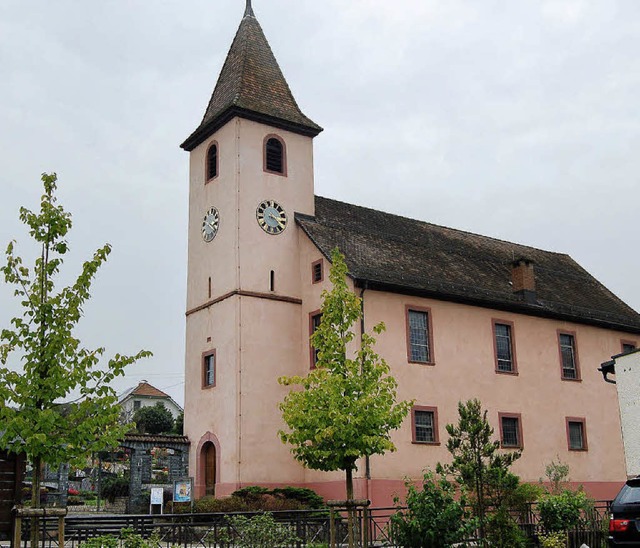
[(210, 224), (272, 218)]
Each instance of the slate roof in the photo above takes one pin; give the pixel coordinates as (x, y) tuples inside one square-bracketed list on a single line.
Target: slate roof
[(392, 253), (251, 85)]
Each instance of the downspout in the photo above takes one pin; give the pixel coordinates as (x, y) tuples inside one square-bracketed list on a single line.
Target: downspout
[(367, 465)]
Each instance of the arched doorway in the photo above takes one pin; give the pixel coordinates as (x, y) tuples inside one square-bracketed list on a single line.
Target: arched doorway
[(209, 458)]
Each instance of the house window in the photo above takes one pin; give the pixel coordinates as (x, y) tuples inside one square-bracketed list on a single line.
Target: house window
[(136, 405), (424, 423), (628, 346), (317, 274), (314, 322), (576, 434), (419, 341), (504, 346), (209, 369), (568, 356), (212, 161), (274, 155), (510, 430)]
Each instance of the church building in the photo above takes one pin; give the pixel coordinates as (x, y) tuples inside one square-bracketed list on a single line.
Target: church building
[(467, 316)]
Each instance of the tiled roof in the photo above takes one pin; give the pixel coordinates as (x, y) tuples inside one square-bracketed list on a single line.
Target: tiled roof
[(145, 389), (251, 85), (156, 438), (394, 253)]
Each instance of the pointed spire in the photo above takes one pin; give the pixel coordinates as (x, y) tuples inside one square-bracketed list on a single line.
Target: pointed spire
[(251, 85), (248, 12)]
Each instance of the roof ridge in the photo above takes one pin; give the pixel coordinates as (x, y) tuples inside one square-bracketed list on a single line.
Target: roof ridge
[(448, 228)]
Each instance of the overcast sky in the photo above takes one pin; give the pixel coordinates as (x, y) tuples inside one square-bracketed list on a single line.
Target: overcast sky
[(516, 119)]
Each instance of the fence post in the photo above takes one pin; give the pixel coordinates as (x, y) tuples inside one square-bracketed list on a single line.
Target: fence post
[(332, 528), (17, 530), (365, 526)]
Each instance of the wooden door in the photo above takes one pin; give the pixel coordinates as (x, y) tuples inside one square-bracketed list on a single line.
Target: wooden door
[(210, 469)]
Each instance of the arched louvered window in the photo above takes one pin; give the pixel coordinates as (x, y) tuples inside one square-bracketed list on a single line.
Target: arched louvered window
[(212, 161), (274, 155)]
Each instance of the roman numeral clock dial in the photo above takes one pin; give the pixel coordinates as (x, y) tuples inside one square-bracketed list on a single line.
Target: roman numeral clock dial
[(271, 217)]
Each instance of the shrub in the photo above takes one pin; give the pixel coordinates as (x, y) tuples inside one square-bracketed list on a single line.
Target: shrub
[(503, 531), (115, 487), (553, 540), (308, 497), (75, 501), (261, 531), (105, 541), (563, 511), (433, 518)]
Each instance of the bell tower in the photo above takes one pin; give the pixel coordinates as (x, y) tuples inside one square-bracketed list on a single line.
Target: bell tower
[(251, 170)]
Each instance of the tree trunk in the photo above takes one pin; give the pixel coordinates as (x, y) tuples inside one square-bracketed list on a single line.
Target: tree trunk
[(36, 482), (350, 507)]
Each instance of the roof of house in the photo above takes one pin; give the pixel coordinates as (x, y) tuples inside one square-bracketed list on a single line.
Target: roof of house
[(251, 85), (145, 390), (393, 253)]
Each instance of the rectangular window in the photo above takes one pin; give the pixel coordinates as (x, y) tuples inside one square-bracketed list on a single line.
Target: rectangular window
[(628, 346), (576, 434), (419, 341), (317, 274), (425, 425), (209, 369), (136, 405), (504, 346), (510, 430), (568, 356), (314, 322)]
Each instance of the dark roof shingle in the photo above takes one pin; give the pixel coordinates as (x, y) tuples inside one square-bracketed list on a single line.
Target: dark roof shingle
[(251, 85), (394, 253)]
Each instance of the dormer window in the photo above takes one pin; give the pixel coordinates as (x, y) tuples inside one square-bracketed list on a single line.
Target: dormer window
[(275, 155), (212, 161)]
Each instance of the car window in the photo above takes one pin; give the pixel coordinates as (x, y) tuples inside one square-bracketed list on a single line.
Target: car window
[(629, 495)]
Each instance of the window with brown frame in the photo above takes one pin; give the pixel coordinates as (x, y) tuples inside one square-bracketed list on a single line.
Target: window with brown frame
[(504, 347), (577, 434), (424, 425), (212, 161), (510, 430), (317, 274), (209, 369), (274, 156), (568, 356), (419, 335), (314, 322)]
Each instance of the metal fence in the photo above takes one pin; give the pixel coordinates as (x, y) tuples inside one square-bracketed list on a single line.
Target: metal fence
[(311, 527)]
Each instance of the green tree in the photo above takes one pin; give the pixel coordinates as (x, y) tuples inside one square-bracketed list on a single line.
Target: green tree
[(178, 427), (477, 465), (48, 363), (156, 419), (347, 407), (434, 517)]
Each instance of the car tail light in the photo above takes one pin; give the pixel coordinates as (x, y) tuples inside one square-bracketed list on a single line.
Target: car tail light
[(618, 525)]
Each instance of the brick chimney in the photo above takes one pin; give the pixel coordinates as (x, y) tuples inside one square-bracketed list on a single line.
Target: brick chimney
[(523, 279)]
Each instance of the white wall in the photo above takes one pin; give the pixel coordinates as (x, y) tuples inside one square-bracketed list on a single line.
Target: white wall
[(628, 384)]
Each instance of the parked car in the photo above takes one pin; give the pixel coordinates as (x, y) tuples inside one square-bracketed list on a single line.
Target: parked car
[(624, 525)]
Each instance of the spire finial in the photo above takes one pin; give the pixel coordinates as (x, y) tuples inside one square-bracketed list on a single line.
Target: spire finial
[(248, 12)]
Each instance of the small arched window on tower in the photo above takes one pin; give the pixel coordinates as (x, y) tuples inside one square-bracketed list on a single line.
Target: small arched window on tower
[(275, 157), (212, 161)]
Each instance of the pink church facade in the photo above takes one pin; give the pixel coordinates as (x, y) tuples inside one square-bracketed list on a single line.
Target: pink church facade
[(464, 320)]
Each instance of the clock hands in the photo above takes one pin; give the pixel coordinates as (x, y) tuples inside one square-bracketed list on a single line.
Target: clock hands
[(279, 220)]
